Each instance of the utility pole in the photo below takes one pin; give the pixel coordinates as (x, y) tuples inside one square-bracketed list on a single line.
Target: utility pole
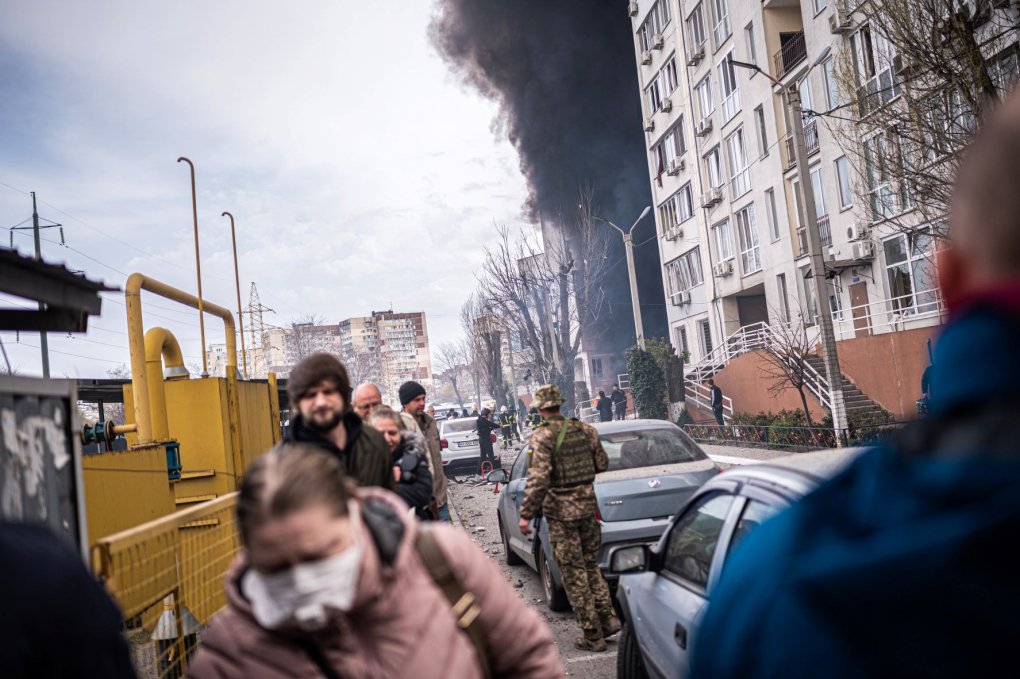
[(795, 123), (628, 244), (43, 341), (837, 404)]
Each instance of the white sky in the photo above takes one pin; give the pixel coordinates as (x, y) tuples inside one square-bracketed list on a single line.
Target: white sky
[(361, 174)]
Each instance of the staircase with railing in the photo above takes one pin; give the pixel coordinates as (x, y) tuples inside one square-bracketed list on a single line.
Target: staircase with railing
[(761, 336)]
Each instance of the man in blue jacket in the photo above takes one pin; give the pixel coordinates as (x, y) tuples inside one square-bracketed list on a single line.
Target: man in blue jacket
[(904, 565)]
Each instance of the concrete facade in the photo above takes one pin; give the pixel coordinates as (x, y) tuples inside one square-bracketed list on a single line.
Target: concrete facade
[(730, 224)]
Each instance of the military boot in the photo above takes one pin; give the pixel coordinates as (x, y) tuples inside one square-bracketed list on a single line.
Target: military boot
[(610, 627), (586, 644)]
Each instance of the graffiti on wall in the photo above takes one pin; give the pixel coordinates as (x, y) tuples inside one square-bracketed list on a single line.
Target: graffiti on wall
[(37, 473)]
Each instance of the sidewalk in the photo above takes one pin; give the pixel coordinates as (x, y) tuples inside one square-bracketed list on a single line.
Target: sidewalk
[(740, 454)]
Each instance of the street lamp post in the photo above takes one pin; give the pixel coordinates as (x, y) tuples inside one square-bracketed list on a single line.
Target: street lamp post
[(628, 244), (795, 121), (237, 286), (198, 266)]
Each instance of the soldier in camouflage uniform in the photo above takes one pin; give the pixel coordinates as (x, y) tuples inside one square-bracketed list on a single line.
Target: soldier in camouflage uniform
[(566, 455)]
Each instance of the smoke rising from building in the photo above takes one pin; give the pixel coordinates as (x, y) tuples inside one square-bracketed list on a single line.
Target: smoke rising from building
[(563, 73)]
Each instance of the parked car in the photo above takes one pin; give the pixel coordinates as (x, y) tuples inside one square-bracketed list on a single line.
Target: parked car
[(654, 467), (663, 590), (458, 439)]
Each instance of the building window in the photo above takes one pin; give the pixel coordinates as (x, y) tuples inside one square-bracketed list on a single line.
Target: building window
[(653, 96), (681, 340), (669, 76), (910, 272), (704, 92), (674, 142), (723, 240), (771, 215), (705, 337), (784, 297), (878, 172), (819, 5), (759, 124), (714, 169), (836, 299), (831, 88), (873, 61), (747, 234), (807, 293), (720, 22), (684, 272), (596, 367), (740, 173), (730, 92), (677, 209), (752, 54), (696, 27), (816, 187), (846, 198)]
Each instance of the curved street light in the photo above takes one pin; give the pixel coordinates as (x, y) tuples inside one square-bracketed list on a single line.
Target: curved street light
[(628, 244)]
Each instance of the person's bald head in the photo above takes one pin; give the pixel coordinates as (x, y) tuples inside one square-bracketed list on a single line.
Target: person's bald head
[(367, 398), (984, 230)]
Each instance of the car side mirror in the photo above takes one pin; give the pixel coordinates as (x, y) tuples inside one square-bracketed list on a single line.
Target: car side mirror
[(628, 559), (497, 476)]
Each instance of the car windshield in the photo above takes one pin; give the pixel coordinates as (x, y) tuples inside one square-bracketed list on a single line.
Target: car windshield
[(647, 447), (453, 426)]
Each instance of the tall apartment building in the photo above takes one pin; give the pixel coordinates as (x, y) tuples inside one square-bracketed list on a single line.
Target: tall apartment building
[(403, 342), (724, 179)]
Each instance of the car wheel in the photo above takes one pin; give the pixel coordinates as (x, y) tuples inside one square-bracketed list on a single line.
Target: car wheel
[(629, 663), (512, 559), (555, 597)]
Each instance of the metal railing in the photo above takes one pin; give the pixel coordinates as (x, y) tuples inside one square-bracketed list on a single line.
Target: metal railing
[(167, 577), (700, 395), (912, 310), (824, 232), (794, 439), (810, 140), (790, 54)]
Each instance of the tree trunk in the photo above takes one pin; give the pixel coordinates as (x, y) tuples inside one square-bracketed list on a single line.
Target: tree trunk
[(803, 401)]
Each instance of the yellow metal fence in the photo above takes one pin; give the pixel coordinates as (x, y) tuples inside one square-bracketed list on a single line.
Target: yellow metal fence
[(167, 577)]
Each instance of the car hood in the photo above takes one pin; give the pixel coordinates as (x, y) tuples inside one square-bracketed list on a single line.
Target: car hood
[(650, 492)]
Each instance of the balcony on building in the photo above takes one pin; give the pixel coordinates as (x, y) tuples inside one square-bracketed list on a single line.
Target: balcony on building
[(824, 232), (810, 140), (793, 50)]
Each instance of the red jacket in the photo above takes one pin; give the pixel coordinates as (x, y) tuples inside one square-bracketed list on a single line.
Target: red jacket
[(401, 624)]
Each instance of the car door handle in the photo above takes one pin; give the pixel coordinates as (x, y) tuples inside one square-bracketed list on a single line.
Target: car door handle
[(680, 635)]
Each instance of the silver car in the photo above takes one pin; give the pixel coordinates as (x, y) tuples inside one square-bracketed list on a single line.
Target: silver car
[(458, 439), (663, 590), (654, 467)]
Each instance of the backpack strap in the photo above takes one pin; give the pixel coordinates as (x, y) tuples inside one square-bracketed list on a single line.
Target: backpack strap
[(318, 656), (562, 435), (463, 603)]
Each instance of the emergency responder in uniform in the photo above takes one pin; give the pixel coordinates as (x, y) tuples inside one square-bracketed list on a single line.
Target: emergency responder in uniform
[(566, 455), (534, 419), (505, 427)]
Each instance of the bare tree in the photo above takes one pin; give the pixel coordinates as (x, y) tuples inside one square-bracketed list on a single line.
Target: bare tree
[(451, 362), (484, 332), (362, 366), (551, 296), (303, 339), (786, 362), (912, 82)]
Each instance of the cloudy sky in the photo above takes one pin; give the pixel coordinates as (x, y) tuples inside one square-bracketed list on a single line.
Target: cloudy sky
[(361, 174)]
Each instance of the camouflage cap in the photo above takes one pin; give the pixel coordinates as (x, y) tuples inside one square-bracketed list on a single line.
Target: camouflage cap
[(547, 396)]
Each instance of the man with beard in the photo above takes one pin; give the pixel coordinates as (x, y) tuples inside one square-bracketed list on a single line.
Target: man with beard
[(319, 389)]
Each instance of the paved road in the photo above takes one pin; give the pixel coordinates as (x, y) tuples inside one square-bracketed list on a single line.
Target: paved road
[(476, 510)]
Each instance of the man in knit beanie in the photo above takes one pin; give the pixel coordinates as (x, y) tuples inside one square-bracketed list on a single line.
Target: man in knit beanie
[(412, 399)]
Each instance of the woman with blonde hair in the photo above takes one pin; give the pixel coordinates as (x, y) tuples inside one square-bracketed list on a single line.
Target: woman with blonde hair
[(337, 581)]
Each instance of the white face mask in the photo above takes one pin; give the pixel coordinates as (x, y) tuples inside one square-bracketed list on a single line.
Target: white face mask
[(307, 594)]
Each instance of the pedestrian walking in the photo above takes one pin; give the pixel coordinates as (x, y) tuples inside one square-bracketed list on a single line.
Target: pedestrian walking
[(367, 398), (485, 428), (566, 455), (410, 460), (319, 388), (619, 400), (56, 620), (864, 576), (605, 407), (412, 399), (335, 581), (716, 400)]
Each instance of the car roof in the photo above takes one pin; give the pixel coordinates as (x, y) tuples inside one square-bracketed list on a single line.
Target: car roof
[(800, 472), (461, 419), (631, 425)]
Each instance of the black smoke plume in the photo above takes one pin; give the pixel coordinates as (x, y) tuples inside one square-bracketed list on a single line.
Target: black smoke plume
[(564, 74)]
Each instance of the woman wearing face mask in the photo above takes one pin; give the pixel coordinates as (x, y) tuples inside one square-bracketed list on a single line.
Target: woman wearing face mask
[(332, 582), (410, 460)]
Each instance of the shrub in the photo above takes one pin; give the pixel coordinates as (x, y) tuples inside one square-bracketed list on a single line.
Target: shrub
[(647, 384)]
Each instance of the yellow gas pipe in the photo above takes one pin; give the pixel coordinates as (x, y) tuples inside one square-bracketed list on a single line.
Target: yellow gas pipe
[(140, 376)]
